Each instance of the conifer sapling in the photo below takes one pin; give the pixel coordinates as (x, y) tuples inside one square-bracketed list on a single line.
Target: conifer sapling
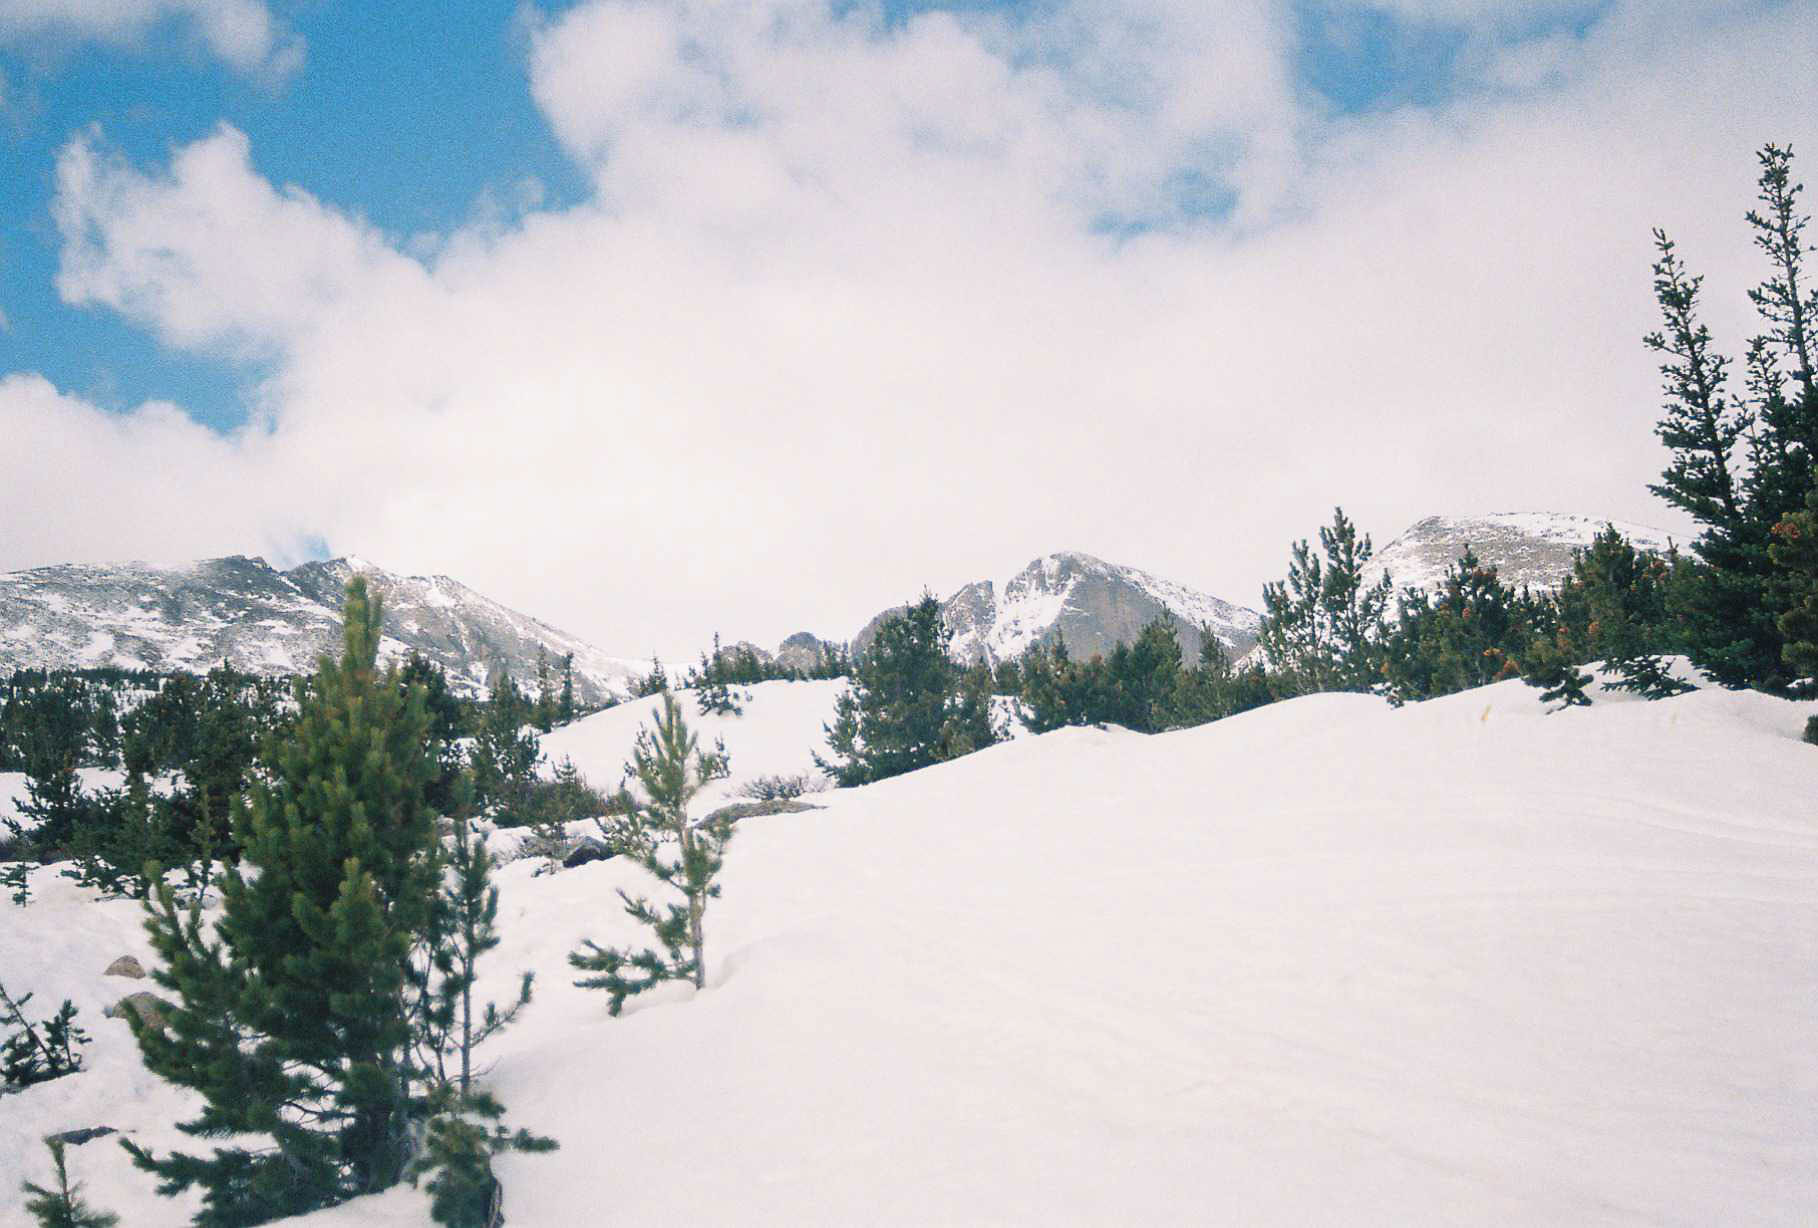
[(683, 855)]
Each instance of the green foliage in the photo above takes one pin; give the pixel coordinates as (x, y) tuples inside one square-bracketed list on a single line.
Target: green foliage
[(1142, 686), (683, 855), (653, 683), (291, 1020), (505, 749), (909, 705), (715, 679), (1740, 465), (1323, 628), (1551, 667), (38, 1053), (1613, 608), (1473, 631), (462, 1136), (61, 1206)]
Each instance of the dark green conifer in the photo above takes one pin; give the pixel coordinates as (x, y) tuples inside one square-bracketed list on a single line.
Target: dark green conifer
[(291, 1019), (61, 1206)]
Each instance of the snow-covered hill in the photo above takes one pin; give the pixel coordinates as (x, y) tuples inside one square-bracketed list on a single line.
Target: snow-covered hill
[(1325, 962), (243, 610), (1093, 604), (1526, 548)]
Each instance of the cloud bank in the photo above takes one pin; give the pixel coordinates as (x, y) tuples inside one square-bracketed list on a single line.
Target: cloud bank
[(860, 305), (242, 34)]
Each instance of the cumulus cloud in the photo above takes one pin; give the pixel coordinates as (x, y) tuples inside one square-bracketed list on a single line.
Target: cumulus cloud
[(241, 33), (859, 306), (150, 484)]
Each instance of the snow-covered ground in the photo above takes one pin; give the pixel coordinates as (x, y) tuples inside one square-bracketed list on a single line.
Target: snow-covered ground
[(1326, 962), (778, 734)]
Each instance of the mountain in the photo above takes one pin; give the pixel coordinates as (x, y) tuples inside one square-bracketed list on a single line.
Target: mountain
[(1531, 548), (1092, 604), (243, 610)]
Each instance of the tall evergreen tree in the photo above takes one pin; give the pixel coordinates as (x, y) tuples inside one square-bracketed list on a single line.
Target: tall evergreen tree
[(1740, 465), (291, 1021), (1323, 627), (565, 709), (683, 855)]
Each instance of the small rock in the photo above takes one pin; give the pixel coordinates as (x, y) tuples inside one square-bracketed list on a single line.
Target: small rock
[(126, 965), (75, 1138), (587, 850), (149, 1007)]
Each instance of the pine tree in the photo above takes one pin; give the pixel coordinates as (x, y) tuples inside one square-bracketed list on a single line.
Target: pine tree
[(292, 1021), (1740, 466), (905, 693), (670, 766), (714, 695), (1323, 627), (565, 709), (505, 749), (38, 1053), (1613, 608), (1551, 667), (1795, 550), (543, 712), (62, 1206), (463, 1131)]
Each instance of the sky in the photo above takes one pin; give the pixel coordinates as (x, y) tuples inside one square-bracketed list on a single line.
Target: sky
[(659, 317)]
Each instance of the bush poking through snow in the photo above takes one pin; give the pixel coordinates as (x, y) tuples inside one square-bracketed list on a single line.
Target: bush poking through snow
[(62, 1207), (42, 1052), (782, 788), (672, 769)]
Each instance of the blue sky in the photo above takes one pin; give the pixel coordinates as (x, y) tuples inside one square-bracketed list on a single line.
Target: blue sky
[(412, 127), (623, 311)]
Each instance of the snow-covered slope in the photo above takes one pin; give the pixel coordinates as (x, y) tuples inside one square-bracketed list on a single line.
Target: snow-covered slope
[(1327, 962), (1093, 604), (1526, 548), (776, 735), (242, 610)]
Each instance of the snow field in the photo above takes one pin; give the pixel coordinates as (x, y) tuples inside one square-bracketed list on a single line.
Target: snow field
[(1324, 962)]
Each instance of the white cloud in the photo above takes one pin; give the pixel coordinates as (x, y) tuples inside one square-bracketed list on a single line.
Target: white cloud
[(838, 322), (241, 33), (82, 484)]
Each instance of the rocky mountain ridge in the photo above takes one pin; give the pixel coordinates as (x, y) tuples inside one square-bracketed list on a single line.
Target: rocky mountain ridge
[(242, 610), (1092, 604)]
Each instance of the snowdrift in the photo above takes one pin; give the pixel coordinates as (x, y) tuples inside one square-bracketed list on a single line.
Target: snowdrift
[(1325, 962)]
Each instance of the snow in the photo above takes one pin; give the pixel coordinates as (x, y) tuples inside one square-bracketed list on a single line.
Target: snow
[(1324, 962), (777, 735)]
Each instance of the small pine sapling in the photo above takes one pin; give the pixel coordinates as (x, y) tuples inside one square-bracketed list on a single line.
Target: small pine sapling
[(1550, 667), (16, 878), (1647, 676), (39, 1053), (62, 1206), (672, 769), (463, 1132)]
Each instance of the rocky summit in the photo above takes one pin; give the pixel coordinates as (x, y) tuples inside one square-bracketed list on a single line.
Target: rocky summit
[(1091, 604), (243, 611)]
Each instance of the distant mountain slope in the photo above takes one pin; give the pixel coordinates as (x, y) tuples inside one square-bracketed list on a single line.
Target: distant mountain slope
[(245, 611), (1531, 548), (1092, 604)]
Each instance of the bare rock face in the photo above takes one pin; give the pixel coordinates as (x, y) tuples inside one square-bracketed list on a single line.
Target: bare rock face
[(802, 651), (126, 966), (265, 621), (148, 1007), (1526, 548), (1091, 604)]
